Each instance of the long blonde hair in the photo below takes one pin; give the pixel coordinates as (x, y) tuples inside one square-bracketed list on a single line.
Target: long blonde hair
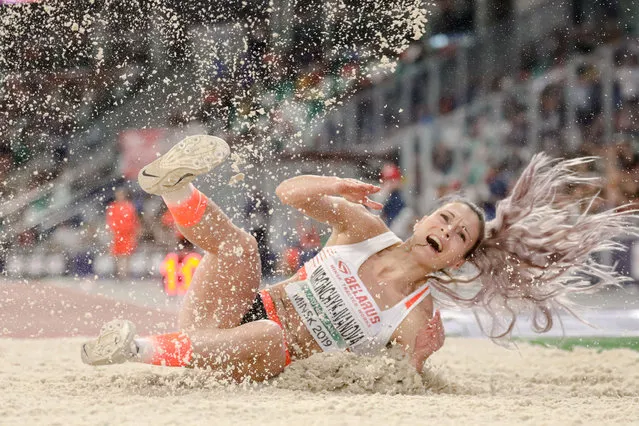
[(540, 247)]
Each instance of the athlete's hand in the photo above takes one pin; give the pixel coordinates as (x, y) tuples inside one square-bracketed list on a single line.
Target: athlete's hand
[(430, 339), (357, 192)]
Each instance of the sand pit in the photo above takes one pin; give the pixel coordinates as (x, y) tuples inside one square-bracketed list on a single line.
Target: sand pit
[(470, 381), (43, 381)]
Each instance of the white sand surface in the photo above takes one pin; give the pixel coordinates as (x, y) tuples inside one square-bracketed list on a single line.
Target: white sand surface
[(469, 382)]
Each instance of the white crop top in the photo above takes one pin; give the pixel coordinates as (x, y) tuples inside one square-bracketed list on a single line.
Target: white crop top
[(337, 308)]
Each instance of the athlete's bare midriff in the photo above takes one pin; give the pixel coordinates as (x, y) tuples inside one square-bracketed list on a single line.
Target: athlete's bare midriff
[(301, 343)]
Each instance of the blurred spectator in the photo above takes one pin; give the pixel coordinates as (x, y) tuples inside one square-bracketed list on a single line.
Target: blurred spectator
[(396, 214), (302, 247), (586, 97), (447, 103), (622, 174), (497, 182), (6, 164), (628, 118), (518, 133), (585, 39), (122, 220), (309, 241), (290, 261), (443, 159), (627, 75), (552, 119), (28, 238), (391, 179), (257, 213), (68, 239)]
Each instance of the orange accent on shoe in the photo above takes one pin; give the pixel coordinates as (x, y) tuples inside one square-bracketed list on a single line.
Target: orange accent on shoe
[(189, 212), (271, 313), (172, 350)]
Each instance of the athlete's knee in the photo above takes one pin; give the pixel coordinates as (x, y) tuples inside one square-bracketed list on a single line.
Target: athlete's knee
[(249, 242), (243, 245)]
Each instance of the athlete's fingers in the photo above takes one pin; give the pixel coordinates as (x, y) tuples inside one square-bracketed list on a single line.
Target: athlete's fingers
[(373, 204), (438, 316), (436, 320), (366, 189), (357, 192)]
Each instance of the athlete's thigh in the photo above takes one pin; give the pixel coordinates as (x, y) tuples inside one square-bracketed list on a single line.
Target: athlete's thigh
[(221, 291), (255, 350)]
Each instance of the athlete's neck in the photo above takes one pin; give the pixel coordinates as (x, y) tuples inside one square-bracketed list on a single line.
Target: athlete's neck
[(393, 267)]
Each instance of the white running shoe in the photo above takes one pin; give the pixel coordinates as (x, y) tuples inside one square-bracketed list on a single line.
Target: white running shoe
[(114, 345), (191, 157)]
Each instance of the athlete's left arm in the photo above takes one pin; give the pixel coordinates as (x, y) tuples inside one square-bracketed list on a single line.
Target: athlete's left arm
[(421, 337)]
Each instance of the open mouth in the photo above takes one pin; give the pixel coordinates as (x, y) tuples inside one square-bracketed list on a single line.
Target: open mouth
[(435, 243)]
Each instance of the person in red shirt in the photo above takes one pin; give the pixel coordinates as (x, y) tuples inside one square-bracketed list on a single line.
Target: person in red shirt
[(122, 220)]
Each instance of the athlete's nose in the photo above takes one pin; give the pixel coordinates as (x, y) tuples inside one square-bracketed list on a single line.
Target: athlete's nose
[(455, 224), (445, 233)]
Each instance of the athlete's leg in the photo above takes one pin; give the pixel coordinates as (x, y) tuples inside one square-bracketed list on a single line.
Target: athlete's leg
[(229, 274), (255, 350), (221, 290), (227, 279)]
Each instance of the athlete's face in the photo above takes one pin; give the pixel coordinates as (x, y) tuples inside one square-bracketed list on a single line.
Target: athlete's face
[(442, 239)]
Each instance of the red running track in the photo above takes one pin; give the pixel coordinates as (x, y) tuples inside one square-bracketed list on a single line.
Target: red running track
[(36, 310)]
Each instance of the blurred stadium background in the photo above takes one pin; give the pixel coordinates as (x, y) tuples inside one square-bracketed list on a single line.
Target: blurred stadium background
[(91, 90)]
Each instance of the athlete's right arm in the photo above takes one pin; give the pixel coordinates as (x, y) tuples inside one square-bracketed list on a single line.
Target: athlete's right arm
[(332, 200), (429, 339)]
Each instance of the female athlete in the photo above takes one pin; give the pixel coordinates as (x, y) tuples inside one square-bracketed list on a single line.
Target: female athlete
[(366, 289)]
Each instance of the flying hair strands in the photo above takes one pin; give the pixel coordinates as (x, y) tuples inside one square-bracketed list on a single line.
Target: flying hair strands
[(540, 247)]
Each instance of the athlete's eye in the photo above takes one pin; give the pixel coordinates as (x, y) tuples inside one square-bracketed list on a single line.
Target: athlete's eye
[(444, 216), (463, 237)]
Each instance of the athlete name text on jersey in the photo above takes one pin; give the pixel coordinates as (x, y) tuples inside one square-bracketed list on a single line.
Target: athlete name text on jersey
[(339, 314)]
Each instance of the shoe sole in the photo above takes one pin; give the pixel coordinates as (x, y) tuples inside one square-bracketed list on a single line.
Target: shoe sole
[(191, 157), (109, 348)]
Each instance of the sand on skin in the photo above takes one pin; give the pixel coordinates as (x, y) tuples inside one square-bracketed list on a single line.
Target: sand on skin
[(470, 381)]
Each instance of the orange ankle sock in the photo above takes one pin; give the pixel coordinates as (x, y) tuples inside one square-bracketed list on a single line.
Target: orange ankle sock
[(171, 350), (189, 211)]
